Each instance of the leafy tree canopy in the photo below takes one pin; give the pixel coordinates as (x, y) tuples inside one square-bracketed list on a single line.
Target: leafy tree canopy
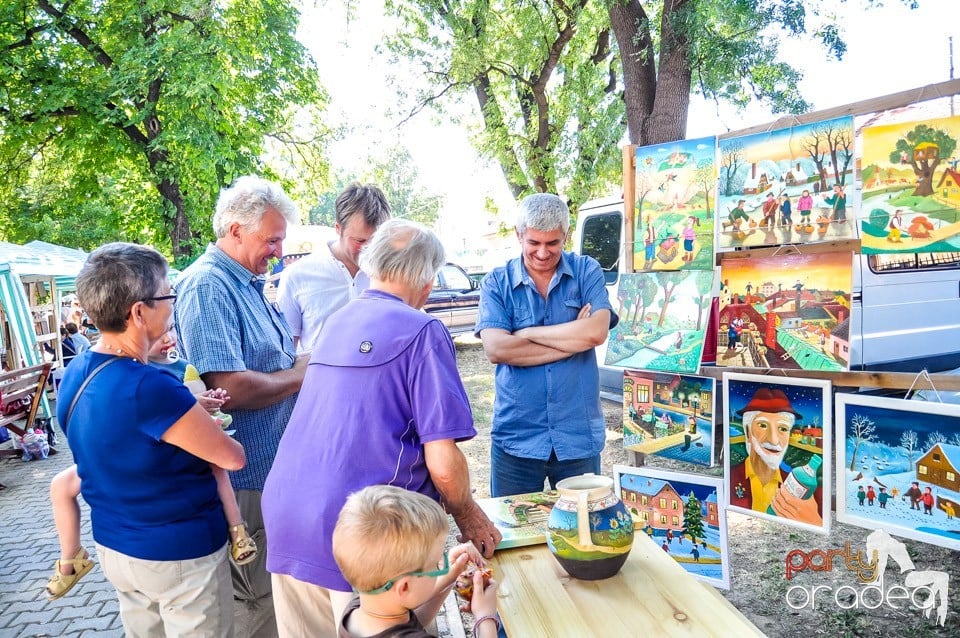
[(396, 175), (122, 120), (543, 76)]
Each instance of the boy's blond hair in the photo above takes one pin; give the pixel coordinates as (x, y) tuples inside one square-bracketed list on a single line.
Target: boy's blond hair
[(383, 532)]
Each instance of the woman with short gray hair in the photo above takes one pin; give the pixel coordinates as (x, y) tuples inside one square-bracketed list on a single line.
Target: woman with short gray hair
[(381, 404), (143, 448)]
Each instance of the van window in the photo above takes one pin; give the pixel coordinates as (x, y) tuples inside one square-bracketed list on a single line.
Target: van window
[(601, 240), (900, 262)]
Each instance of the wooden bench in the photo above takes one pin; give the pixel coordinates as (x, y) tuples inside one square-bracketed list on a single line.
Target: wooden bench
[(18, 384)]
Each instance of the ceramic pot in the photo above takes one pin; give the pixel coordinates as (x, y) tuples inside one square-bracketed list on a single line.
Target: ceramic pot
[(589, 531)]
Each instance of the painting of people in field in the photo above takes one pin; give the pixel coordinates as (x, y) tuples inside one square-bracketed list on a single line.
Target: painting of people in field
[(786, 311), (663, 320), (676, 189), (777, 442), (898, 467), (788, 186), (683, 514), (669, 415), (911, 187)]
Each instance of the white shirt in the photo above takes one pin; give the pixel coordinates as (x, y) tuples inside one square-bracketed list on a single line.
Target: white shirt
[(311, 289)]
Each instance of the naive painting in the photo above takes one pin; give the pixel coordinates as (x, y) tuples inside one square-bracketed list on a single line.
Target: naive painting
[(788, 186), (786, 311), (911, 187), (663, 320), (683, 514), (777, 448), (670, 415), (898, 467), (521, 519), (676, 190)]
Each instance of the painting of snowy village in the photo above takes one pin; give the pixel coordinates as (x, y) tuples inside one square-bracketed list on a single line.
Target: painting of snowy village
[(898, 467), (663, 320), (777, 439), (911, 187), (669, 415), (676, 190), (683, 514), (786, 311), (788, 186)]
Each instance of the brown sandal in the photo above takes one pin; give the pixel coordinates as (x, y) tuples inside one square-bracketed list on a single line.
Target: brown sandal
[(243, 549), (59, 584)]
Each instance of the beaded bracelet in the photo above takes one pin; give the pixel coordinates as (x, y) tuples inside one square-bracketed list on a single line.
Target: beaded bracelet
[(476, 623)]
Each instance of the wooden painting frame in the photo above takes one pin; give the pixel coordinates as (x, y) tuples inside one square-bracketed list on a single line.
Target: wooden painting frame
[(802, 429), (631, 483)]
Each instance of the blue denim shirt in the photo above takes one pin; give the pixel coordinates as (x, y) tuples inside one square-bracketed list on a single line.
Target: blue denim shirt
[(224, 324), (555, 406)]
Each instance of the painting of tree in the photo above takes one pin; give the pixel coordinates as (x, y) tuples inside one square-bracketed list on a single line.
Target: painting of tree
[(924, 148)]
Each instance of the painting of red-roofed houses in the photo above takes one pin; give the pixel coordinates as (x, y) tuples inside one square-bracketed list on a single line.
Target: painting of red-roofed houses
[(911, 187), (786, 311), (898, 467), (682, 514)]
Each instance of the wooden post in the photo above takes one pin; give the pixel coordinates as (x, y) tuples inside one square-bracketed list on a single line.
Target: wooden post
[(629, 202)]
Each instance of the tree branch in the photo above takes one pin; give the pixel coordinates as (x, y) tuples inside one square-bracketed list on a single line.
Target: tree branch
[(79, 35)]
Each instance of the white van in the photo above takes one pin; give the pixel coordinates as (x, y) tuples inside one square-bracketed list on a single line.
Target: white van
[(906, 307)]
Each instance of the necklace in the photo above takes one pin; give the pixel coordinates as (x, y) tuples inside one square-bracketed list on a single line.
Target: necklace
[(120, 351), (405, 614)]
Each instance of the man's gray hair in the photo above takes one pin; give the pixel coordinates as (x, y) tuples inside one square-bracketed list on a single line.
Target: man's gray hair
[(403, 251), (544, 212), (247, 201), (116, 276)]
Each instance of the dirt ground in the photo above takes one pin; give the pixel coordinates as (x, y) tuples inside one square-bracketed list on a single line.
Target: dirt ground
[(759, 548)]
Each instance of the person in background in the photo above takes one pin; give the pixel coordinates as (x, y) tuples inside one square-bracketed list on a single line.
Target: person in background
[(324, 281), (158, 524), (389, 544), (239, 342), (382, 403), (540, 317), (80, 342)]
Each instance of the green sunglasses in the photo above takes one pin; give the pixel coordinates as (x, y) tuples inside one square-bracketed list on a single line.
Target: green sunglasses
[(431, 574)]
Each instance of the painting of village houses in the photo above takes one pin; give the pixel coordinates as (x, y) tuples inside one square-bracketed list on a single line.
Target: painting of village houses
[(788, 186), (683, 515), (663, 320), (898, 467), (676, 187), (777, 442), (670, 415), (911, 187), (786, 311)]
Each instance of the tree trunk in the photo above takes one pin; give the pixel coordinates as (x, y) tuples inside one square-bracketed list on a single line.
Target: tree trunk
[(667, 293), (853, 457), (630, 27), (924, 172)]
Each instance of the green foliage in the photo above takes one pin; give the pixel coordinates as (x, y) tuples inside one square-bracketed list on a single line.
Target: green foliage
[(542, 76), (397, 176), (123, 120), (923, 133)]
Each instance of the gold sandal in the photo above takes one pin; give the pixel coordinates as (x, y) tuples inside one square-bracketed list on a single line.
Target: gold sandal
[(59, 584), (243, 549)]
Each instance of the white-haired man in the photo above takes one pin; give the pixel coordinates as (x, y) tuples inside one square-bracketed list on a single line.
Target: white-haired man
[(756, 483)]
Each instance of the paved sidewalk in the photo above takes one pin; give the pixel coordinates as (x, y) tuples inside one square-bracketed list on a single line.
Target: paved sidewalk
[(27, 554), (29, 549)]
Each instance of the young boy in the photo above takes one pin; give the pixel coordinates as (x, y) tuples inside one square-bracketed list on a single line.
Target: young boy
[(389, 544), (74, 561)]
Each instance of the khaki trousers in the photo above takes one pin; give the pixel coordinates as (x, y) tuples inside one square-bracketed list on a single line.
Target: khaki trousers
[(305, 610), (171, 598)]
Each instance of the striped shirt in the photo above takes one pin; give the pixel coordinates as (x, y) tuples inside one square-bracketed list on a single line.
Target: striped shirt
[(224, 324)]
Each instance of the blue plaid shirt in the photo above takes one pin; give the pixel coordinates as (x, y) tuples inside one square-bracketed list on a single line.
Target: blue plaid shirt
[(555, 406), (224, 324)]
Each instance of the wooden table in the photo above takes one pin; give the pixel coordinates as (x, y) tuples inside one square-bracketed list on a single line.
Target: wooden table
[(652, 595)]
